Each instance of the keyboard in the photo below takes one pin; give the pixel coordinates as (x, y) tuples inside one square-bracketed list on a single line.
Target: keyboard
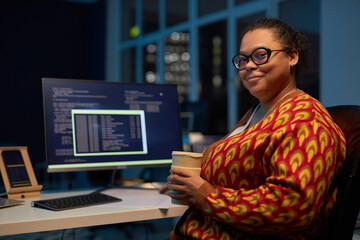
[(84, 200)]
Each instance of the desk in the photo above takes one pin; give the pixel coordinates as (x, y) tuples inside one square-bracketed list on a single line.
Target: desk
[(26, 219)]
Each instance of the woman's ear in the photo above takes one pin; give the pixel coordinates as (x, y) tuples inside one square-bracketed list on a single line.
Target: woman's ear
[(294, 57)]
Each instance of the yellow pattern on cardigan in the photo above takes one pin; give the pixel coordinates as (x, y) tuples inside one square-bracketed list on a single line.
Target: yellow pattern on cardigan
[(275, 177)]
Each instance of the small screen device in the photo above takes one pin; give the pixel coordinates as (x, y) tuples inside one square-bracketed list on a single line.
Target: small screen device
[(17, 172), (15, 168)]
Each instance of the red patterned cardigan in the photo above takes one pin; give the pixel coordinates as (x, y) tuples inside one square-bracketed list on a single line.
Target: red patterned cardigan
[(275, 177)]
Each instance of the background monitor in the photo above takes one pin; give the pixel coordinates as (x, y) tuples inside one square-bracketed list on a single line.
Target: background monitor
[(96, 125)]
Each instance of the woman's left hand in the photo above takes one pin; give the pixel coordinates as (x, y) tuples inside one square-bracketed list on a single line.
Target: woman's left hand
[(184, 184)]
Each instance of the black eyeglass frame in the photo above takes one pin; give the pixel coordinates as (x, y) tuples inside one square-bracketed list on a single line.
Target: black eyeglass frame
[(268, 51)]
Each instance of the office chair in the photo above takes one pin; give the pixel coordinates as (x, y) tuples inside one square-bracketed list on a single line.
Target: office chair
[(344, 215)]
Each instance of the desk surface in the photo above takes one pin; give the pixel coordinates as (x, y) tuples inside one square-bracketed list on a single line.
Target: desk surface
[(26, 219)]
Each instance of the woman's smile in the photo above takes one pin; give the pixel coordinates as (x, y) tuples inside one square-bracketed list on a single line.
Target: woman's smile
[(253, 78)]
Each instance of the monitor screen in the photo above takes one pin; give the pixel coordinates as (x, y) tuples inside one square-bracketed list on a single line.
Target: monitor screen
[(92, 125)]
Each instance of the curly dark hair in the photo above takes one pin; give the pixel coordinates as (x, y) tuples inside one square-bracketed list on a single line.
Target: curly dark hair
[(289, 37)]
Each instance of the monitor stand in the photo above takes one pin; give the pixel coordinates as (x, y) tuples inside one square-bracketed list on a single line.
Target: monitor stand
[(136, 183)]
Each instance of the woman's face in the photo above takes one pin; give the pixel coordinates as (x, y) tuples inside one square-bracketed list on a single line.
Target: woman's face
[(267, 81)]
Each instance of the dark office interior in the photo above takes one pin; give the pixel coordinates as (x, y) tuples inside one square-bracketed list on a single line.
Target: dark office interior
[(67, 39), (44, 39)]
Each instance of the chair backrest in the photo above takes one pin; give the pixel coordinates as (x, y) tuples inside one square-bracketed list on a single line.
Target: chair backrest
[(343, 217)]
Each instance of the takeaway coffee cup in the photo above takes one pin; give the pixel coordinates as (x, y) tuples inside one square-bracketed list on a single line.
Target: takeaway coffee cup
[(186, 160)]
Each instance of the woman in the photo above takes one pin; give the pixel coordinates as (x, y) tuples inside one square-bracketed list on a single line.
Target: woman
[(273, 176)]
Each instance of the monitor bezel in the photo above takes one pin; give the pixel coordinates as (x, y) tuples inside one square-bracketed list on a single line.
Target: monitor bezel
[(54, 168)]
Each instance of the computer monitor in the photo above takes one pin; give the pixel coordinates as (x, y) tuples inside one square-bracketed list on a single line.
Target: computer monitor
[(98, 125)]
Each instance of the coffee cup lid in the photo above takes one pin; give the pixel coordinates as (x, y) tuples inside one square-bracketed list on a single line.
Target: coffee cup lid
[(192, 154)]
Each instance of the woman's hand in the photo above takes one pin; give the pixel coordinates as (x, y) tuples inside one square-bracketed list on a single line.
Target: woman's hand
[(164, 189), (184, 184)]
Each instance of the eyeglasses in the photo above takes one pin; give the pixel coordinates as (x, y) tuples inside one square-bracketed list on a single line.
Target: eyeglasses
[(259, 56)]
